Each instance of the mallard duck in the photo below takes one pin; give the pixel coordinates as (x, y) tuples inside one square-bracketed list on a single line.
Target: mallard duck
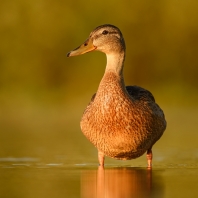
[(122, 122)]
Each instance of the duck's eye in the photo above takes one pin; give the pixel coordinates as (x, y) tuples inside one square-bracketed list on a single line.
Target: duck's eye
[(105, 32)]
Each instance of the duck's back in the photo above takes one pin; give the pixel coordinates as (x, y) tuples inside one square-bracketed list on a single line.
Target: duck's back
[(121, 122)]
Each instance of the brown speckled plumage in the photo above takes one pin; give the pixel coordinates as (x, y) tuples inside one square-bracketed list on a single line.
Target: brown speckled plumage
[(122, 122)]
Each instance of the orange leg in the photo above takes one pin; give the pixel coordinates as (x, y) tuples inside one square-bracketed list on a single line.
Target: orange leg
[(101, 158), (149, 157)]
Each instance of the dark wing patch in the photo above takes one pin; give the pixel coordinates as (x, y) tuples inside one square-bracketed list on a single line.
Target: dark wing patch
[(93, 97), (92, 100), (138, 93)]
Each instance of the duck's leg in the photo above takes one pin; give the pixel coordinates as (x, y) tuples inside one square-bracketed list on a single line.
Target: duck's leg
[(149, 157), (101, 158)]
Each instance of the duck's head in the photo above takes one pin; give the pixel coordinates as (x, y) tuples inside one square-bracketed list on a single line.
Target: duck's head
[(105, 38)]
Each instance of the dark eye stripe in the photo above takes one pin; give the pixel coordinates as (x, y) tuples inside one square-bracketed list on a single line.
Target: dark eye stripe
[(105, 32), (113, 32)]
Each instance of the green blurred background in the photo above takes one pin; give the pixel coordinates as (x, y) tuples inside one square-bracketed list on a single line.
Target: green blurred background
[(43, 93)]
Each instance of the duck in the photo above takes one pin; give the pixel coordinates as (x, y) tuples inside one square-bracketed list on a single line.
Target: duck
[(122, 122)]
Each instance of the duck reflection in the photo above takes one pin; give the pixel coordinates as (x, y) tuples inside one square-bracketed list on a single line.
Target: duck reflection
[(117, 183)]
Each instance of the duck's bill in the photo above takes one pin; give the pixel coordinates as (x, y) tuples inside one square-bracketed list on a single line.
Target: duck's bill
[(87, 46)]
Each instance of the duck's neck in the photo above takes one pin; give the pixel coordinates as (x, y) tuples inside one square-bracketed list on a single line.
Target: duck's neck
[(115, 63), (113, 76)]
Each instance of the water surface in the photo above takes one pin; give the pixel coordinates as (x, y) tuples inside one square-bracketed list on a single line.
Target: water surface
[(30, 179)]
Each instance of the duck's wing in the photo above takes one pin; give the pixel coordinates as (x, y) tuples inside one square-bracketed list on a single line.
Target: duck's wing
[(92, 100), (141, 94), (138, 93)]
